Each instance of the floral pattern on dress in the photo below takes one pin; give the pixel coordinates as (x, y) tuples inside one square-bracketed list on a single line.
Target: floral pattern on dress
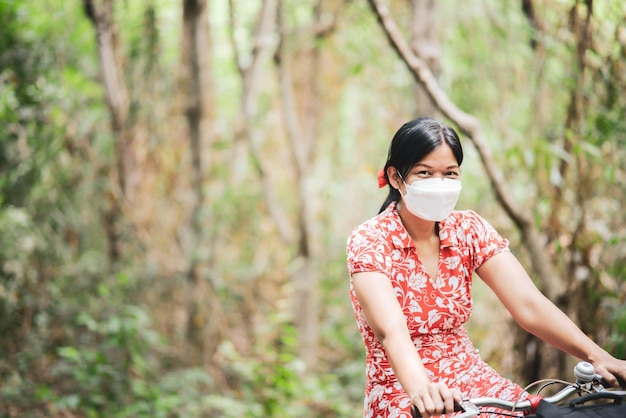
[(435, 310)]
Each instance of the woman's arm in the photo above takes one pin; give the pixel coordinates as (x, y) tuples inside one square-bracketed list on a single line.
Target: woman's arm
[(538, 315), (383, 313)]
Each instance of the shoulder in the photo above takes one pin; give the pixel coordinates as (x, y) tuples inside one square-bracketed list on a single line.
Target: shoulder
[(373, 226), (467, 226), (380, 227), (371, 244), (464, 219), (468, 229)]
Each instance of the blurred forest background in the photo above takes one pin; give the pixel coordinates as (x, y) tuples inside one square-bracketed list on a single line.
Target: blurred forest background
[(178, 179)]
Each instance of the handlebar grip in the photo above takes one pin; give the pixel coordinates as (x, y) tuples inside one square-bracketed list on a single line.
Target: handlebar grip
[(415, 413), (620, 381), (616, 398)]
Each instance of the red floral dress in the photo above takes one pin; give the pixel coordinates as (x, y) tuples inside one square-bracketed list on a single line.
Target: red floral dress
[(435, 313)]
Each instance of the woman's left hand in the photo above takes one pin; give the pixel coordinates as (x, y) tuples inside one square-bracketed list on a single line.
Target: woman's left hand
[(612, 370)]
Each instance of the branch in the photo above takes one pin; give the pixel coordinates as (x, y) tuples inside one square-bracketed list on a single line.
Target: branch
[(468, 125), (252, 80), (117, 95)]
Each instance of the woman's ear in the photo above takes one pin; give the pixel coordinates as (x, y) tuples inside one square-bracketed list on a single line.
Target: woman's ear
[(394, 177)]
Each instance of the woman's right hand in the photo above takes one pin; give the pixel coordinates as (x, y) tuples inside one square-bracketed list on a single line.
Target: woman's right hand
[(434, 399)]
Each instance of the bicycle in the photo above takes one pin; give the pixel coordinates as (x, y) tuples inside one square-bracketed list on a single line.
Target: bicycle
[(592, 400)]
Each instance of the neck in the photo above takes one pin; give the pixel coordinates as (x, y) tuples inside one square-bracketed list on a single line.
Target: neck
[(419, 229)]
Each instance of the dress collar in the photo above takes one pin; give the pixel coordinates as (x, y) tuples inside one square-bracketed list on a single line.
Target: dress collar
[(400, 236)]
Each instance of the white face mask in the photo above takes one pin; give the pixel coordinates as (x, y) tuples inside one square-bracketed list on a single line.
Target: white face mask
[(432, 199)]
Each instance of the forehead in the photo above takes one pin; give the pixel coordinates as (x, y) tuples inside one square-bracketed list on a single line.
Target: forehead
[(442, 156)]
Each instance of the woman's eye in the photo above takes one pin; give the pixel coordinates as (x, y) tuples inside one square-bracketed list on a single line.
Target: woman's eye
[(452, 174)]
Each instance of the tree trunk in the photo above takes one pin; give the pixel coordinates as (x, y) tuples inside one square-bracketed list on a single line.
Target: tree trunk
[(100, 13), (301, 115), (203, 306), (470, 126), (568, 293), (246, 135), (425, 44)]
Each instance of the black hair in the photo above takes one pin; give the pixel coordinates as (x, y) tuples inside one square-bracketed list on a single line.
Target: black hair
[(414, 141)]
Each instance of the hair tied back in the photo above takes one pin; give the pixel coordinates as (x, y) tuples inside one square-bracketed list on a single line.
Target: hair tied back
[(382, 180)]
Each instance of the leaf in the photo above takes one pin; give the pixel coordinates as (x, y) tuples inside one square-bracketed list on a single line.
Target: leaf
[(69, 353)]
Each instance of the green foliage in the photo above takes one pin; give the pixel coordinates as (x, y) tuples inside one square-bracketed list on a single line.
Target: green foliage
[(274, 383), (616, 305), (104, 373), (86, 338), (116, 378), (111, 373), (617, 344)]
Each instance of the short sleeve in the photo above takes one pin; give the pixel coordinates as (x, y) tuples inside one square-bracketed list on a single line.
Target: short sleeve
[(367, 250), (486, 241)]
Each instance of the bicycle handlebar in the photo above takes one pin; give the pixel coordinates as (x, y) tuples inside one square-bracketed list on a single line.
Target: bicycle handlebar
[(586, 380), (523, 406)]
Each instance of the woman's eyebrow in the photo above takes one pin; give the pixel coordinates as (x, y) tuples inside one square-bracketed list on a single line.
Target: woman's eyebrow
[(430, 166), (422, 165)]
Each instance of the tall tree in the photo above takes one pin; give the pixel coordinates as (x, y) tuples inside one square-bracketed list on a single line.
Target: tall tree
[(247, 136), (425, 44), (302, 114), (100, 13), (572, 185), (470, 126), (203, 314)]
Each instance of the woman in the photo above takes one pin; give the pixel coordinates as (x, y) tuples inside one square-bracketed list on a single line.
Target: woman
[(411, 272)]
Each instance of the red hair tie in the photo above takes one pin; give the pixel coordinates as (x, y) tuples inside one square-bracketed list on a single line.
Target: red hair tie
[(382, 180)]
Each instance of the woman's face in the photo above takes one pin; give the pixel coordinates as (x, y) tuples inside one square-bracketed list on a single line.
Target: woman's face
[(440, 163)]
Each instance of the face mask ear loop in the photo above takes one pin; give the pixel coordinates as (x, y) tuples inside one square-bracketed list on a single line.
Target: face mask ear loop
[(401, 178), (403, 182)]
